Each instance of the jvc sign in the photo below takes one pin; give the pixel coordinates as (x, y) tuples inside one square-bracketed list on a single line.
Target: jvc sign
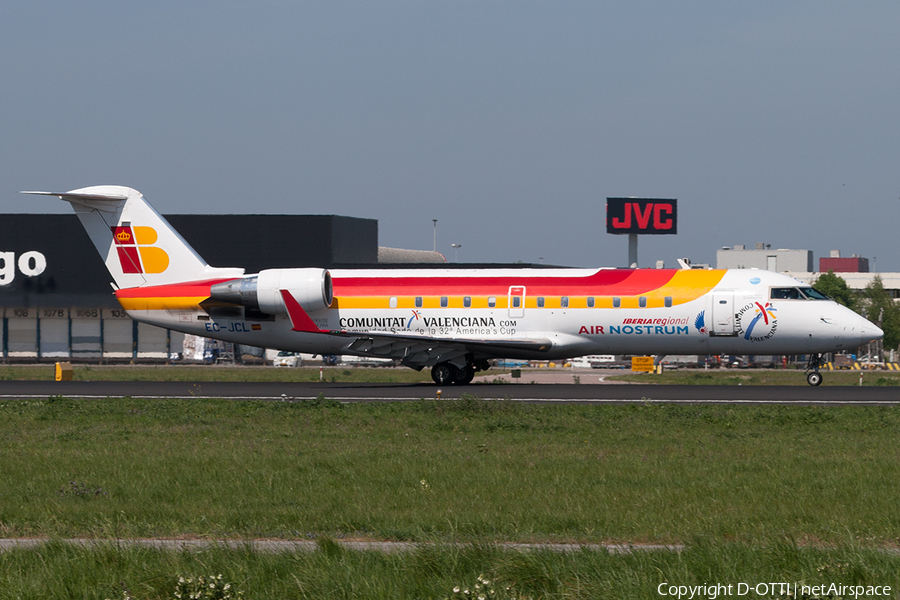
[(641, 215)]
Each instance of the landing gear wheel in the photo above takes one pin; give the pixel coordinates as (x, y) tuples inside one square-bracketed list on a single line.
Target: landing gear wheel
[(813, 377), (444, 373), (464, 376)]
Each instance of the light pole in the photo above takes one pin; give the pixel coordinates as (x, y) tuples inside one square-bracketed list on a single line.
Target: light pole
[(456, 248), (435, 234)]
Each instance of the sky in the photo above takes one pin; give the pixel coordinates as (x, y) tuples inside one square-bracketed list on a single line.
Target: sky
[(508, 122)]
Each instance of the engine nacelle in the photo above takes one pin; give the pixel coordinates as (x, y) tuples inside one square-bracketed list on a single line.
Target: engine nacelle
[(311, 288)]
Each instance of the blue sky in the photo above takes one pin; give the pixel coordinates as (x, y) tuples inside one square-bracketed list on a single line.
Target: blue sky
[(509, 122)]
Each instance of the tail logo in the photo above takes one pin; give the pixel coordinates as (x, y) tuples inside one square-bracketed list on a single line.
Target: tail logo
[(136, 250)]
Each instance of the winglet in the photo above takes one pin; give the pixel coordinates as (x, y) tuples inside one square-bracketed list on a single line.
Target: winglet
[(300, 321)]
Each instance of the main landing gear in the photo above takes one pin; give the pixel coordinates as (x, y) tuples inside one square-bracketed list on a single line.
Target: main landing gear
[(813, 377), (446, 373)]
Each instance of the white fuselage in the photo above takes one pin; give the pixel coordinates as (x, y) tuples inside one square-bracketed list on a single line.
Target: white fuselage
[(733, 317)]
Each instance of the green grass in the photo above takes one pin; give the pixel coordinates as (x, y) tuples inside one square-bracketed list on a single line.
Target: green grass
[(449, 470), (758, 494), (217, 373), (758, 377), (59, 571), (404, 375)]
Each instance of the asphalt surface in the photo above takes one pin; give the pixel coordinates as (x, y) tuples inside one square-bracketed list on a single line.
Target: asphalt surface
[(374, 392)]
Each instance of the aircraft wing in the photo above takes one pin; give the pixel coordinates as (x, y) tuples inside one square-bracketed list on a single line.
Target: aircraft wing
[(415, 351), (425, 351)]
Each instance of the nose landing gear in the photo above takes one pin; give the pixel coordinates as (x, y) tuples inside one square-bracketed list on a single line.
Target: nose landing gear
[(813, 377)]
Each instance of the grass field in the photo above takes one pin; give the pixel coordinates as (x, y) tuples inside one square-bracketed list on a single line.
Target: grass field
[(216, 373), (759, 377), (404, 375), (758, 493), (58, 571), (449, 470)]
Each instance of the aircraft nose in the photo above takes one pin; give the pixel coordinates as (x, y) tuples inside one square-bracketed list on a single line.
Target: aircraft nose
[(868, 331)]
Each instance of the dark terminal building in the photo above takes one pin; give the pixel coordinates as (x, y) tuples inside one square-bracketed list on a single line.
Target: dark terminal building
[(56, 299)]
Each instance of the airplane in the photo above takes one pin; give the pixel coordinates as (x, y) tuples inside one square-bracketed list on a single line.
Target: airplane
[(454, 321)]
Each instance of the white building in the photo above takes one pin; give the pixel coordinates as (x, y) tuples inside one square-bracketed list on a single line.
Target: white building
[(763, 257)]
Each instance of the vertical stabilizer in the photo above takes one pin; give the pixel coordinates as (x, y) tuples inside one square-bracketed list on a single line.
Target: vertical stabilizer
[(137, 244)]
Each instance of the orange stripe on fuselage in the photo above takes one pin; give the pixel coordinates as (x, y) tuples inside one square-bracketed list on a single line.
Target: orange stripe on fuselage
[(174, 296)]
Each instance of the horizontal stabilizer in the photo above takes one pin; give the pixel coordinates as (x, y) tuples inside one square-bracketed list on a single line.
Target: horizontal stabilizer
[(76, 197)]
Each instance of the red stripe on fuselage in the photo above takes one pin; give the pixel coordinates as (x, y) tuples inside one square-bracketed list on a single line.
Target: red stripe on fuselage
[(611, 282)]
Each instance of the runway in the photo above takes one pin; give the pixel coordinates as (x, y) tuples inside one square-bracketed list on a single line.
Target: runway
[(539, 393)]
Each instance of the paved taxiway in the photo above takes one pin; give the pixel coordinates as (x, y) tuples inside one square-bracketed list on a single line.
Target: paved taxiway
[(375, 392)]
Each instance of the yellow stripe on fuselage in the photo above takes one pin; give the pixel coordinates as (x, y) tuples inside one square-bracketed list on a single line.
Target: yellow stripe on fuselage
[(157, 303)]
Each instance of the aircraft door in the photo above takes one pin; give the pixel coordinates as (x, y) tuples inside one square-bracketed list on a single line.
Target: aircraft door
[(723, 314), (516, 301)]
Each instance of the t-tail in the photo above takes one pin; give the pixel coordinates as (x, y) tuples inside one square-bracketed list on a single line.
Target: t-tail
[(137, 244)]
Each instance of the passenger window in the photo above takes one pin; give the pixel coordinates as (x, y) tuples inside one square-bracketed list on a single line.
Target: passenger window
[(668, 301), (617, 302), (590, 302), (444, 302), (393, 302), (642, 301), (540, 302), (492, 302), (467, 301), (418, 301), (564, 302), (517, 301)]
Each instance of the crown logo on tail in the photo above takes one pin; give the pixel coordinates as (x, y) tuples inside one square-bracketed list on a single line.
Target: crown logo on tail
[(137, 251)]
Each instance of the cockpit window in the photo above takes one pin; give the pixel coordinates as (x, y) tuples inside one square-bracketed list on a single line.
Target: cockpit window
[(805, 293), (786, 294), (814, 294)]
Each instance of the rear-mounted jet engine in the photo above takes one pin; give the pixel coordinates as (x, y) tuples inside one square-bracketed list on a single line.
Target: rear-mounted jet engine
[(310, 287)]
